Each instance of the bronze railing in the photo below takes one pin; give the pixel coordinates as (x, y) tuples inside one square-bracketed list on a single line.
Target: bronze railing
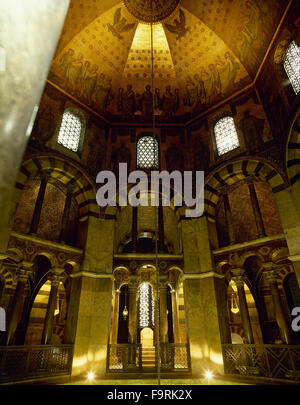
[(270, 361), (118, 358), (179, 357), (19, 363)]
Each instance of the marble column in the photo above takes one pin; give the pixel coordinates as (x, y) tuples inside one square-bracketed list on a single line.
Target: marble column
[(176, 328), (49, 320), (229, 221), (206, 317), (34, 27), (174, 282), (134, 228), (161, 231), (239, 279), (288, 204), (115, 321), (256, 210), (66, 215), (279, 313), (39, 204), (163, 290), (132, 322), (23, 274)]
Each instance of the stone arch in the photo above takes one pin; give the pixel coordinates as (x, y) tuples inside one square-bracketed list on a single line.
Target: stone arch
[(293, 150), (283, 273), (172, 279), (146, 274), (255, 277), (47, 255), (67, 172), (121, 276), (236, 170), (7, 278)]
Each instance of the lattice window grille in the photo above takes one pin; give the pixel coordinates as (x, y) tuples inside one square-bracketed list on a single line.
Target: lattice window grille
[(146, 306), (226, 135), (70, 131), (292, 65), (147, 153)]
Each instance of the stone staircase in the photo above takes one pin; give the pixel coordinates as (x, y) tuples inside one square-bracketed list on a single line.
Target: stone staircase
[(148, 357)]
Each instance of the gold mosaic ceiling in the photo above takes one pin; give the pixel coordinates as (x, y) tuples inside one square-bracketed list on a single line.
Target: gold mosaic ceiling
[(206, 50), (151, 11)]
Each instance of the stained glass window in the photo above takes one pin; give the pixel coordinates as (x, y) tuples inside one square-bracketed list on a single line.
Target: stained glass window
[(226, 135), (292, 65), (146, 306), (70, 131), (147, 153)]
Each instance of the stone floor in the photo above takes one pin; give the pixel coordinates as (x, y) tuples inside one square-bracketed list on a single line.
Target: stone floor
[(154, 381)]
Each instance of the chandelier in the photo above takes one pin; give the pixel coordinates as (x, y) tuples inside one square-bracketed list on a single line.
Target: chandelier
[(234, 304)]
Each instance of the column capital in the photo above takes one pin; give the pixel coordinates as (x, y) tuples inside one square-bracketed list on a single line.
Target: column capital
[(57, 271), (133, 283), (271, 271), (45, 175), (238, 276), (163, 287), (55, 279), (71, 187), (237, 272), (24, 271), (271, 275), (223, 190), (250, 180)]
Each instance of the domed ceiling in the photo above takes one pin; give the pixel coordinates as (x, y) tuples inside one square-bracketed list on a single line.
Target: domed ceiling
[(204, 51)]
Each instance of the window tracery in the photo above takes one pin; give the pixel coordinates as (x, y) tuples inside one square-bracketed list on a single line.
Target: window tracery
[(70, 131), (226, 135), (292, 66), (147, 153)]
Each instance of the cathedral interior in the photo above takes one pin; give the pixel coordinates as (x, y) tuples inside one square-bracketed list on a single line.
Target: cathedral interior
[(120, 291)]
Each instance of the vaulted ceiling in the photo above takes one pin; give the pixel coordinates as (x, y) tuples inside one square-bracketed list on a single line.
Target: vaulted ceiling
[(206, 49)]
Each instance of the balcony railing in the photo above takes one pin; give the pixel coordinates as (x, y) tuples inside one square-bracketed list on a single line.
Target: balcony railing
[(129, 358), (19, 363), (270, 361), (179, 358)]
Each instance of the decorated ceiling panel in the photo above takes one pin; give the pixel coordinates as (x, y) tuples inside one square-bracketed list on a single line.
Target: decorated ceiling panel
[(204, 51)]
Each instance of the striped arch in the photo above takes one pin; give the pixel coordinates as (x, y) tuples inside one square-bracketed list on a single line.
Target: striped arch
[(293, 150), (7, 277), (283, 272), (234, 171), (67, 173)]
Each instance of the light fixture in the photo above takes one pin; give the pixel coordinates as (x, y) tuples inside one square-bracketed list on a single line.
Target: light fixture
[(91, 376), (125, 313), (208, 375), (125, 310), (234, 304)]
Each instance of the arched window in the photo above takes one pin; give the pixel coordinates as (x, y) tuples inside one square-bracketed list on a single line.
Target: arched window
[(71, 130), (292, 65), (146, 306), (226, 135), (147, 153)]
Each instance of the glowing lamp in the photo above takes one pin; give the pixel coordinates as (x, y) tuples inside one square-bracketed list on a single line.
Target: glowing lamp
[(91, 376), (125, 313)]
